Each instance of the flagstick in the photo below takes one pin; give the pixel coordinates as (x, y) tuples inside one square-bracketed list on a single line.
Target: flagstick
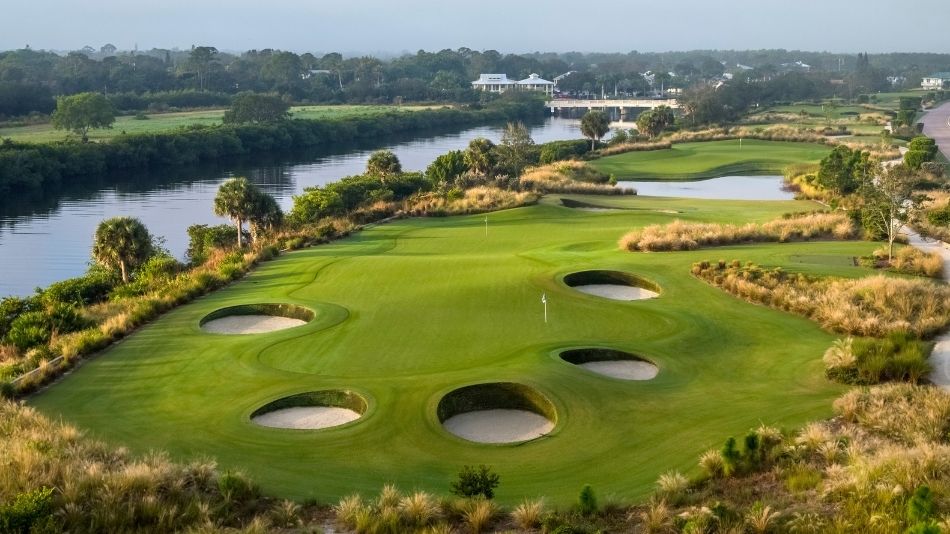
[(486, 226)]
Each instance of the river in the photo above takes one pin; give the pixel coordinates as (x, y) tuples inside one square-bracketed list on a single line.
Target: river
[(43, 240)]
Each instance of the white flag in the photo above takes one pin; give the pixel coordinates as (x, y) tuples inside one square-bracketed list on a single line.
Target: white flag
[(544, 298)]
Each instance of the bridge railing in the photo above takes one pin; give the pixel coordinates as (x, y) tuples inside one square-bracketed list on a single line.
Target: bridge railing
[(619, 103)]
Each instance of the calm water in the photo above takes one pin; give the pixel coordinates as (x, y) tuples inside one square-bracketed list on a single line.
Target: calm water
[(45, 240), (725, 188)]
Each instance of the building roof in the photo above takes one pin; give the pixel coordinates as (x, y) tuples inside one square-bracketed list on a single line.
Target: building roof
[(493, 79), (941, 75), (534, 79)]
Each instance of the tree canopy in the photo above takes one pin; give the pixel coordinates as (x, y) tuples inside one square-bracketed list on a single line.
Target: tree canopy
[(594, 125), (383, 163), (248, 108), (653, 121), (238, 200), (122, 243), (83, 112)]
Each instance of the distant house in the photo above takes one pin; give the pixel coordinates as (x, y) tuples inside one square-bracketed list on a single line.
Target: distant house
[(499, 83), (494, 83), (938, 80)]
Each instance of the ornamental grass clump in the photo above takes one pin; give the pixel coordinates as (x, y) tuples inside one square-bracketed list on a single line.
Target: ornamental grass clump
[(866, 361), (874, 306), (570, 177), (681, 235)]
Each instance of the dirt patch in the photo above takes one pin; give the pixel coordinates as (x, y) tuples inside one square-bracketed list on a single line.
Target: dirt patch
[(498, 426)]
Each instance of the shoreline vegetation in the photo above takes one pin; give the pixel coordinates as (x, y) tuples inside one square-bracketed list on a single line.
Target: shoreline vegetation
[(26, 167)]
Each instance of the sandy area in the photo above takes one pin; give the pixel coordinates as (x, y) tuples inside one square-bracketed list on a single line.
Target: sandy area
[(596, 209), (498, 426), (307, 417), (617, 292), (623, 369), (250, 324)]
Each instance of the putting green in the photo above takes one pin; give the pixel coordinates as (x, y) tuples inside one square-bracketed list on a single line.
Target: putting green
[(406, 312), (710, 159)]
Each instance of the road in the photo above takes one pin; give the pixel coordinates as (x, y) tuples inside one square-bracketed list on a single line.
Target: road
[(937, 125)]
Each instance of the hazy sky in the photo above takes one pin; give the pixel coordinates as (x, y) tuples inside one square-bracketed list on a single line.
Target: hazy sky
[(505, 25)]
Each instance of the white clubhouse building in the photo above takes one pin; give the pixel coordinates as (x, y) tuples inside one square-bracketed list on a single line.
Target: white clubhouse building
[(499, 83), (936, 81)]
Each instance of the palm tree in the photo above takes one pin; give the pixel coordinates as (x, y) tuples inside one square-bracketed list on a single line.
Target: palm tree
[(479, 157), (237, 200), (123, 243)]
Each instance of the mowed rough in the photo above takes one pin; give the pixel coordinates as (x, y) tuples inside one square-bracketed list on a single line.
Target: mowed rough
[(409, 311)]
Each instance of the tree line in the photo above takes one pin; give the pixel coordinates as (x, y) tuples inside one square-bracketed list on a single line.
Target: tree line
[(159, 79)]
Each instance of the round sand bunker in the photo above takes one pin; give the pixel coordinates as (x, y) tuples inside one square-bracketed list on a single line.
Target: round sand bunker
[(612, 363), (617, 292), (614, 285), (312, 410), (255, 319), (307, 417), (497, 412), (498, 426)]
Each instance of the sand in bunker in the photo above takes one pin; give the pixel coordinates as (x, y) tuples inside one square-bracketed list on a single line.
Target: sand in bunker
[(623, 369), (307, 417), (617, 292), (250, 324), (498, 426)]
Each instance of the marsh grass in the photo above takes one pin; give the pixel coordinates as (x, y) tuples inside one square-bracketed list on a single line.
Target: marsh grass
[(874, 306), (570, 177), (681, 235)]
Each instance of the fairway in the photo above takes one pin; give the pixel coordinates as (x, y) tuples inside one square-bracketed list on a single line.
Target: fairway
[(711, 159), (164, 122), (409, 311)]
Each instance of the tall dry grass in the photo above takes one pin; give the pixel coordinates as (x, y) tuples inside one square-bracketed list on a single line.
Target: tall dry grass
[(681, 235), (911, 260), (102, 489), (874, 306), (475, 200), (569, 177)]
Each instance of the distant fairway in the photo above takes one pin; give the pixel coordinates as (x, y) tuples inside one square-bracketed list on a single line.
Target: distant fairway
[(163, 122), (711, 159), (409, 311)]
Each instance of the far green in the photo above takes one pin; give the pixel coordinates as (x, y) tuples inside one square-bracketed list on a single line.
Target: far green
[(711, 159)]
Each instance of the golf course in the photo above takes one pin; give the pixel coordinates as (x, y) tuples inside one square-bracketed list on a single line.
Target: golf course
[(393, 324), (711, 159)]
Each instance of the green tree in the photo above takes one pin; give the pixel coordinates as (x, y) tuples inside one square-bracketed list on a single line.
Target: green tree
[(447, 167), (516, 150), (122, 243), (479, 156), (256, 108), (652, 122), (83, 112), (594, 125), (889, 201), (237, 199), (476, 481), (587, 501), (383, 163), (314, 204), (843, 170), (266, 215), (200, 59)]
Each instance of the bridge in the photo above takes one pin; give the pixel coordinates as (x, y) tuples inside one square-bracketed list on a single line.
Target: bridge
[(622, 104)]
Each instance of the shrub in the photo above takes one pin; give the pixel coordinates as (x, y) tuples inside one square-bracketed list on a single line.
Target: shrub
[(89, 289), (29, 512), (29, 330), (587, 501), (899, 357), (478, 481)]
